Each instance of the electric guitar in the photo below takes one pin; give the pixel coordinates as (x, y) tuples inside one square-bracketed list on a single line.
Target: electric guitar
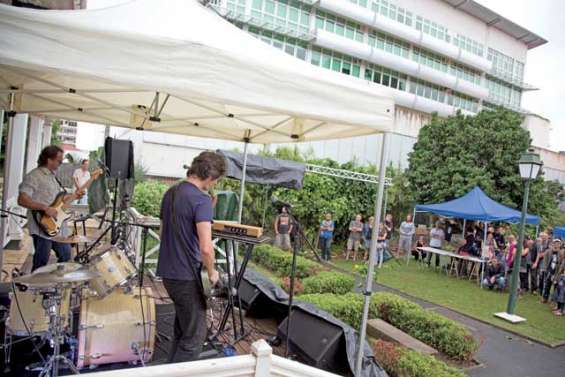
[(52, 225)]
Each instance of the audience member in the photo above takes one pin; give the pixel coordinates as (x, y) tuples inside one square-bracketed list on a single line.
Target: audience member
[(389, 226), (494, 275), (368, 235), (355, 235), (283, 229), (381, 242), (326, 236), (421, 242), (549, 262), (437, 236), (407, 230), (525, 260)]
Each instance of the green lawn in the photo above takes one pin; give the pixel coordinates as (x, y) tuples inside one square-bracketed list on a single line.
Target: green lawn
[(466, 297)]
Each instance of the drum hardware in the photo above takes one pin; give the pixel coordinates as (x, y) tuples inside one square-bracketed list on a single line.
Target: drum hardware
[(56, 333)]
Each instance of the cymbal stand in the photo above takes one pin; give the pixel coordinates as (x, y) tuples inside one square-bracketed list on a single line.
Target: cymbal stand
[(52, 305)]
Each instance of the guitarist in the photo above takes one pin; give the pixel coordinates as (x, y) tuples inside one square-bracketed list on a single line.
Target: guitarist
[(38, 190), (186, 247)]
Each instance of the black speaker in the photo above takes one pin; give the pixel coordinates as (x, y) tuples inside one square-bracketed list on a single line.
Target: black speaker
[(316, 342), (248, 293), (119, 158)]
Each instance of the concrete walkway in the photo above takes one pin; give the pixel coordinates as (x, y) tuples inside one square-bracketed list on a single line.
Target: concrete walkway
[(501, 353)]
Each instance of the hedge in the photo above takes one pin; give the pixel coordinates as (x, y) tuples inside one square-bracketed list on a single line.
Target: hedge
[(445, 335), (328, 282), (348, 307), (280, 262), (399, 361)]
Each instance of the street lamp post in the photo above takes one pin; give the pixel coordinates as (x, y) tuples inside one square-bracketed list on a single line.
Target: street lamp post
[(530, 165)]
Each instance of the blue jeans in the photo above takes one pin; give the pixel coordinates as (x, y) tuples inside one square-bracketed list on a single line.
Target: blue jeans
[(43, 248), (499, 283), (379, 254), (325, 245)]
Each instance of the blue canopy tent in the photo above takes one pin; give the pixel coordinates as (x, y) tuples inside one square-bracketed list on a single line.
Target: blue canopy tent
[(559, 232), (476, 205)]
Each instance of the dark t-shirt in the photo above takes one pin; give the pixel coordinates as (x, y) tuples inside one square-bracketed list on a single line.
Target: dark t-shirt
[(388, 225), (178, 251)]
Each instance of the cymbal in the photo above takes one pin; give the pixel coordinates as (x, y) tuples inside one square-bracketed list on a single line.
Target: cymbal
[(65, 267), (55, 277), (72, 239)]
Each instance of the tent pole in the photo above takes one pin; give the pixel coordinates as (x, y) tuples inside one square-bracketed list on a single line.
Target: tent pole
[(373, 249), (464, 227), (4, 220), (243, 173)]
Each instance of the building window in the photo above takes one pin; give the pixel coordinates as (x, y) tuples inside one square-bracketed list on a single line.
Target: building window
[(432, 28), (462, 101), (503, 94), (505, 67), (465, 73), (336, 61), (291, 46), (339, 26), (429, 59), (427, 90), (236, 6), (389, 44), (287, 14), (469, 45), (386, 77)]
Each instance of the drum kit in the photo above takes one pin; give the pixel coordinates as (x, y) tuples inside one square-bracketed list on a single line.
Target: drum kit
[(97, 309)]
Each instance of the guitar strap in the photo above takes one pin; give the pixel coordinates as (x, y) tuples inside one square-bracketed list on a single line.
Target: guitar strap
[(195, 270)]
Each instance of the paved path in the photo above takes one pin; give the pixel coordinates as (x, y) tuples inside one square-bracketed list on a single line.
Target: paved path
[(501, 353)]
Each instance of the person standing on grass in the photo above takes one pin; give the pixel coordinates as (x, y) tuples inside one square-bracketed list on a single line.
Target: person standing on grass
[(549, 262), (326, 236), (560, 290), (355, 235), (524, 266), (533, 272), (389, 226), (283, 229), (368, 235), (437, 236), (407, 230), (381, 240), (510, 253)]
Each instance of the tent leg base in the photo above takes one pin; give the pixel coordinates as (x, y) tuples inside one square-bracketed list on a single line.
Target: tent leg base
[(512, 318)]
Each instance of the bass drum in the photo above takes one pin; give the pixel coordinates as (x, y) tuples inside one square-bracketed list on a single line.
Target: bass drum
[(117, 328)]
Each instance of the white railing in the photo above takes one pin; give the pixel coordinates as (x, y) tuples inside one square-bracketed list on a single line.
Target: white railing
[(260, 363)]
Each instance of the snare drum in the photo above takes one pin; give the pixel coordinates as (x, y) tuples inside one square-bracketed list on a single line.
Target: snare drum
[(117, 328), (114, 268), (26, 309)]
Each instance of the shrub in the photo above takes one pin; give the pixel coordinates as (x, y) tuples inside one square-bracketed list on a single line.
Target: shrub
[(447, 336), (329, 282), (280, 262), (147, 197), (348, 307), (403, 362), (298, 286)]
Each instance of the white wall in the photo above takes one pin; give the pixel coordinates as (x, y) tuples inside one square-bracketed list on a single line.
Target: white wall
[(540, 130)]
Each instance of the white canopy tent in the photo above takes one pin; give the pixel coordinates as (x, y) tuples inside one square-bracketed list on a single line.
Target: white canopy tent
[(178, 67)]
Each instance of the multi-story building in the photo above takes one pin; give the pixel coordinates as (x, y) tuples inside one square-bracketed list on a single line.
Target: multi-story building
[(68, 132), (436, 55)]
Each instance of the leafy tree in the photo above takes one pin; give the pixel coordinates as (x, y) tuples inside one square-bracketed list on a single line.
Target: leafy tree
[(455, 154), (55, 127)]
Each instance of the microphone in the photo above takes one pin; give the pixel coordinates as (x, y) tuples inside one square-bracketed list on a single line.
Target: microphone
[(280, 203)]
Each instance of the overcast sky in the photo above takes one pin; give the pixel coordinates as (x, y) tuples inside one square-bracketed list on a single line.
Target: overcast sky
[(545, 68)]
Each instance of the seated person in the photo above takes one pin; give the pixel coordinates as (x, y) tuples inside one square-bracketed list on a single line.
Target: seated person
[(421, 242), (494, 275)]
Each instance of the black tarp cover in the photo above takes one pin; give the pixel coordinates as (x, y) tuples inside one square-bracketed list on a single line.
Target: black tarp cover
[(280, 298), (265, 171)]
